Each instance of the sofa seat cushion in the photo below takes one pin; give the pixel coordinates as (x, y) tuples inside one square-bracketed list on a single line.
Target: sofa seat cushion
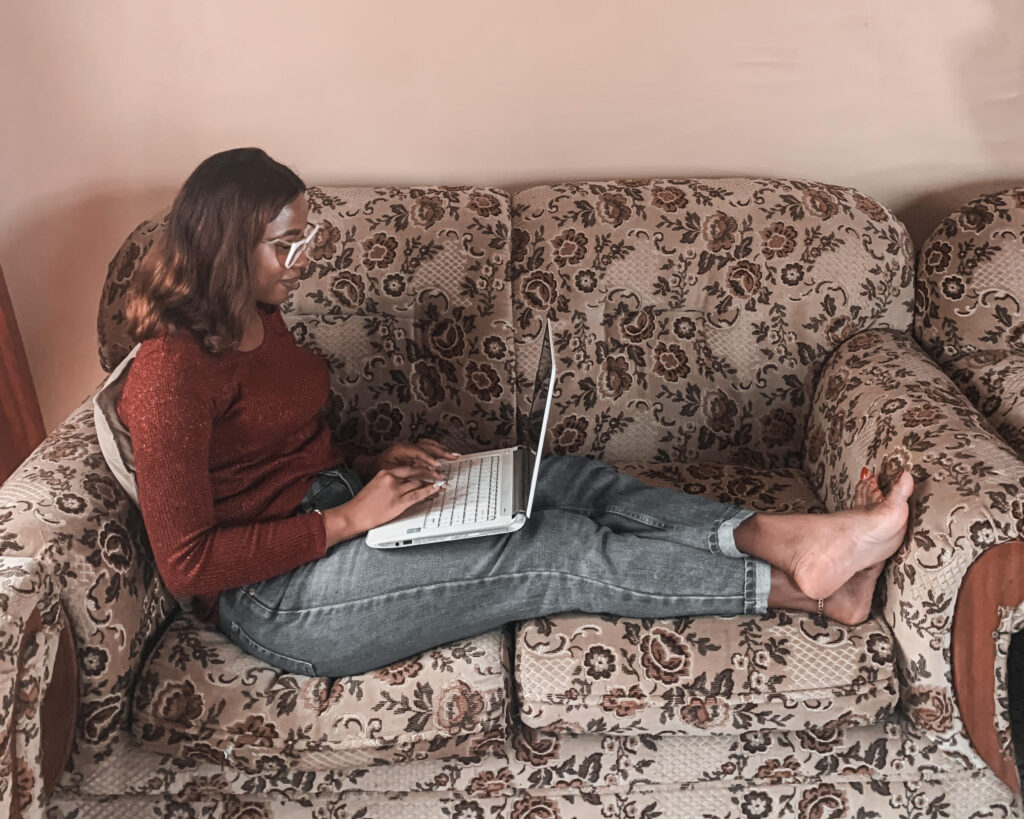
[(585, 673), (201, 697)]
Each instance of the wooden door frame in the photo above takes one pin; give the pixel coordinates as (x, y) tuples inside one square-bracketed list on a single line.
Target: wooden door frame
[(21, 421)]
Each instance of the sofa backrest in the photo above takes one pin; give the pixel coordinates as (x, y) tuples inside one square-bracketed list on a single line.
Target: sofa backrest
[(406, 297), (691, 317), (969, 313), (970, 280)]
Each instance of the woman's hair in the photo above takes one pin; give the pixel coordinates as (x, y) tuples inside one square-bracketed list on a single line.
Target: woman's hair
[(197, 276)]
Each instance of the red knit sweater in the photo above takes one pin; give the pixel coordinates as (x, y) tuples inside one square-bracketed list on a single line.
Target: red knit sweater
[(225, 447)]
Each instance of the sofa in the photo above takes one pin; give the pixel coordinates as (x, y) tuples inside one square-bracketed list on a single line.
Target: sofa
[(746, 339), (969, 318)]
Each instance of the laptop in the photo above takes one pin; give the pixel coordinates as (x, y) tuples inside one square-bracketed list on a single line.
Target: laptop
[(487, 493)]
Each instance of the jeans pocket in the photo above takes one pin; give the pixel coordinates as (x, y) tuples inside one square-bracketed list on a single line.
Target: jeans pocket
[(290, 664), (268, 593)]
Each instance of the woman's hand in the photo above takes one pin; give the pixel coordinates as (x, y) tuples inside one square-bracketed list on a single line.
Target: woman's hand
[(389, 493), (426, 452)]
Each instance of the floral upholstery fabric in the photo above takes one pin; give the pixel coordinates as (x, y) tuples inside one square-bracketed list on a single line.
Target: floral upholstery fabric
[(882, 402), (70, 539), (111, 323), (993, 380), (407, 299), (971, 320), (968, 293), (1011, 620), (887, 770), (700, 675), (199, 696), (970, 317), (692, 317), (718, 675)]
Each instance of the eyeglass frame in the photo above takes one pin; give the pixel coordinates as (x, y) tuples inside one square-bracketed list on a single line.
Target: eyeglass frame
[(294, 248)]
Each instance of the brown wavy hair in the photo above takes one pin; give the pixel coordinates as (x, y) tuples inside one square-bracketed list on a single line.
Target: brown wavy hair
[(197, 276)]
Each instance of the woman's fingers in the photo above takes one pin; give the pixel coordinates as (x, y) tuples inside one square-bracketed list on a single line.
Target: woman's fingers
[(435, 450), (414, 496), (423, 474)]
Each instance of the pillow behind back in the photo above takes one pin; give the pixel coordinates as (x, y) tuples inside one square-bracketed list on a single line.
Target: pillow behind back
[(114, 438)]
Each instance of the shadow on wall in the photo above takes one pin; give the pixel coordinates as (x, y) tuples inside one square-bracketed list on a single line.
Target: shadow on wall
[(992, 75), (79, 234), (924, 213), (990, 70)]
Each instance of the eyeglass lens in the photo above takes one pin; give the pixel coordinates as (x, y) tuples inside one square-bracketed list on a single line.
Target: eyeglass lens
[(299, 246)]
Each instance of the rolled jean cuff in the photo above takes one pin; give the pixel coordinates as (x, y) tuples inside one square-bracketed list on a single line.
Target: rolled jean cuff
[(724, 540), (757, 575), (757, 582)]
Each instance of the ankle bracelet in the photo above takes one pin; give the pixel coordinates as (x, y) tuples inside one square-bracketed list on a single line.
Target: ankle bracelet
[(821, 607)]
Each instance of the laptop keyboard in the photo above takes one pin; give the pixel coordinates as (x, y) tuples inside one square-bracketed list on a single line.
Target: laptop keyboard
[(470, 494)]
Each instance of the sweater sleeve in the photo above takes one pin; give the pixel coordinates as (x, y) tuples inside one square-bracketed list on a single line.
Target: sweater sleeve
[(170, 418)]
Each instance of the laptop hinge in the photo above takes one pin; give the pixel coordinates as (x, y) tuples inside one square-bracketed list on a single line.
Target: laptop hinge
[(521, 490)]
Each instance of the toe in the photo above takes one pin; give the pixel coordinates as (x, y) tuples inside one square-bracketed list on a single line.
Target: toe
[(862, 492), (903, 488)]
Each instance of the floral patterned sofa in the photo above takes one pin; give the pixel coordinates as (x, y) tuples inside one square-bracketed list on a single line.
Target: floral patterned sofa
[(970, 315), (970, 318), (747, 339)]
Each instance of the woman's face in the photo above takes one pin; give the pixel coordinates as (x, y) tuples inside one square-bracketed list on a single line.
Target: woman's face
[(272, 281)]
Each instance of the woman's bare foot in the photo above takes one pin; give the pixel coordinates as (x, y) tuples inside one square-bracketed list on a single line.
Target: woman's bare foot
[(851, 603), (823, 552)]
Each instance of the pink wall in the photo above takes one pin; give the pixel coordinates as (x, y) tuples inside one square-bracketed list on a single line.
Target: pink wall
[(107, 105)]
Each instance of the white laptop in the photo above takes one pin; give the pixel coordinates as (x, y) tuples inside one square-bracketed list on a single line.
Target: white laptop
[(487, 493)]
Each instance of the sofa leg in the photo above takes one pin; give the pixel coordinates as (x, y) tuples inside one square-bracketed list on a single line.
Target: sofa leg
[(995, 580)]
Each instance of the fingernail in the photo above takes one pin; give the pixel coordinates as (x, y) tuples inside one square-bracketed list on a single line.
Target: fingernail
[(864, 472)]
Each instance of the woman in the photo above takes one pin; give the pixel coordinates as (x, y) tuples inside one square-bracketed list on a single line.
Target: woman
[(250, 506)]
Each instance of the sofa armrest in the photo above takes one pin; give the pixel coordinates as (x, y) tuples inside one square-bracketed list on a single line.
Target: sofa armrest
[(882, 402), (988, 612), (30, 625), (63, 514)]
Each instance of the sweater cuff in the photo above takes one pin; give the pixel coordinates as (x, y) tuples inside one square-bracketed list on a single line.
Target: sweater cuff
[(318, 531)]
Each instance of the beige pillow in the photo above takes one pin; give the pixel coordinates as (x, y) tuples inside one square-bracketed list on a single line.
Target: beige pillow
[(115, 441)]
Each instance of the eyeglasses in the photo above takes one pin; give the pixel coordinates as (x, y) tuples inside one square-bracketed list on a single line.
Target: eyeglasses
[(293, 249)]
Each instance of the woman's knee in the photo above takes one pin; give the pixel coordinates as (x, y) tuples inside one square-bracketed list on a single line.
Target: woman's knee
[(573, 480)]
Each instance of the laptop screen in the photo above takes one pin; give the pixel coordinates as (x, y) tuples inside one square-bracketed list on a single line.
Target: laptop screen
[(530, 431), (533, 426)]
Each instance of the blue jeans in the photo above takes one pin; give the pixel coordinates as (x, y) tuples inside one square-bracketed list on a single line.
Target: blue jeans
[(597, 541)]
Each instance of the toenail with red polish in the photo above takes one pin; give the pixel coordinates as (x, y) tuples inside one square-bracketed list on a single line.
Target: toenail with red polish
[(864, 472)]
